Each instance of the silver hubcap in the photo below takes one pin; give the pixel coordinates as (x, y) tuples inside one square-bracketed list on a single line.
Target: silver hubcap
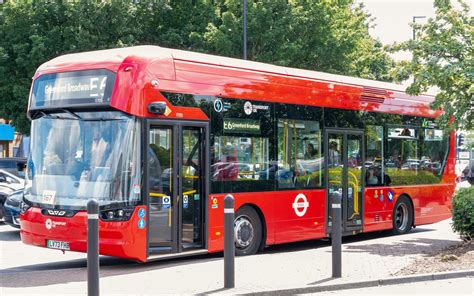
[(244, 232), (401, 217)]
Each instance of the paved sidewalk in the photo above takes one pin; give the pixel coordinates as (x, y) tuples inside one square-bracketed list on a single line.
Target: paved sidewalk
[(365, 257)]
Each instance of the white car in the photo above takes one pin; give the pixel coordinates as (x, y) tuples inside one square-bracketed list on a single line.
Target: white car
[(10, 180), (8, 184)]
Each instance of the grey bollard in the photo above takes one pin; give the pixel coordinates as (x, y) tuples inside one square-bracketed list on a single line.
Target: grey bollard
[(336, 234), (229, 242), (93, 248)]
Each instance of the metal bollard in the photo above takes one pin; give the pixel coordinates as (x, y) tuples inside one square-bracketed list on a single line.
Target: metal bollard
[(229, 242), (336, 234), (93, 248)]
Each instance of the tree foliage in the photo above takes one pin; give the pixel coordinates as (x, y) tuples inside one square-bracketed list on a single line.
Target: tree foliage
[(321, 35), (443, 57), (330, 36)]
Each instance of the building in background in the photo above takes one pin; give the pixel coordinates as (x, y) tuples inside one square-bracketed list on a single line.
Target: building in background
[(7, 135), (12, 144)]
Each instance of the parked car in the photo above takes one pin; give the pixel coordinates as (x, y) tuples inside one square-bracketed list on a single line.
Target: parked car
[(468, 173), (11, 180), (8, 183), (14, 165), (12, 208)]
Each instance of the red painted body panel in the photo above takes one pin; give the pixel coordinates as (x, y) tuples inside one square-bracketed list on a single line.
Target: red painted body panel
[(144, 71)]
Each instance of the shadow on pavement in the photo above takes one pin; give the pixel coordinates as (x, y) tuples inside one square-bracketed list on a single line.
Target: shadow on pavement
[(319, 243), (402, 248), (9, 235), (63, 272)]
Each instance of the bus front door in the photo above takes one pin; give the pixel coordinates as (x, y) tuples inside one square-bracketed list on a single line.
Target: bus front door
[(344, 159), (176, 187)]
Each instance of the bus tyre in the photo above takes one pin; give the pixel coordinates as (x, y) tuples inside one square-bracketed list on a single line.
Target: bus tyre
[(247, 231), (402, 216)]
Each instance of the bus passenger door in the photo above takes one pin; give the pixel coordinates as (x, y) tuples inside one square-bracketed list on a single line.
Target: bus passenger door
[(344, 159), (162, 192), (176, 187)]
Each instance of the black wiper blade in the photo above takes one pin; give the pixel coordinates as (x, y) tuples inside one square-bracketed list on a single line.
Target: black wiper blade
[(72, 114), (51, 116)]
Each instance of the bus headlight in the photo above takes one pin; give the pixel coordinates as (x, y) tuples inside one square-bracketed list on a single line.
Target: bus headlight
[(116, 215), (24, 207)]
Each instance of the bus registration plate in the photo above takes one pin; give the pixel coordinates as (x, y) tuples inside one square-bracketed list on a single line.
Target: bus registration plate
[(54, 244)]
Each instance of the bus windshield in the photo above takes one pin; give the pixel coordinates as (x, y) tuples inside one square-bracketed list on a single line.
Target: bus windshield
[(79, 156)]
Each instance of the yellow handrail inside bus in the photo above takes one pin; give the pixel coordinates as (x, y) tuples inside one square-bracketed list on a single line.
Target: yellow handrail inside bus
[(356, 194), (190, 192), (157, 194)]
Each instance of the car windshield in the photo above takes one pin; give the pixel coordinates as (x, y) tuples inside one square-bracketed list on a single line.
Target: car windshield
[(79, 156)]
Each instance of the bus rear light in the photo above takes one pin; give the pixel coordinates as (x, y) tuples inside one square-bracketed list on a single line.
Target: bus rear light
[(116, 215)]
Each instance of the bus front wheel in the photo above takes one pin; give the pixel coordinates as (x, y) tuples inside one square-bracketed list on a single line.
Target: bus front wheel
[(247, 231), (402, 216)]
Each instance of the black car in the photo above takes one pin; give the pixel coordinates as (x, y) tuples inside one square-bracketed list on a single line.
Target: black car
[(12, 208), (5, 190), (468, 173), (14, 165)]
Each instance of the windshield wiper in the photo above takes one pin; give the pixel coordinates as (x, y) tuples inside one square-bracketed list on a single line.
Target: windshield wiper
[(72, 114), (50, 115)]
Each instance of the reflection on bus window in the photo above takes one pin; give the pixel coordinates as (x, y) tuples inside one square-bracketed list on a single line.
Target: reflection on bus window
[(433, 152), (402, 161), (300, 162), (240, 159), (79, 159), (375, 170)]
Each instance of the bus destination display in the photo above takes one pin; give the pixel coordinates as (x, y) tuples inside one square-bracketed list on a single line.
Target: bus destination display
[(72, 88)]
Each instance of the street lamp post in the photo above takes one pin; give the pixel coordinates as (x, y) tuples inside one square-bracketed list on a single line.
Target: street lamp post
[(414, 21), (245, 29)]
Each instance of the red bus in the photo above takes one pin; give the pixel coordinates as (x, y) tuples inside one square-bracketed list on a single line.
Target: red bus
[(160, 136)]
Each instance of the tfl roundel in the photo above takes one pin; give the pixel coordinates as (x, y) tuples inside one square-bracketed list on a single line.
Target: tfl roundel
[(300, 205)]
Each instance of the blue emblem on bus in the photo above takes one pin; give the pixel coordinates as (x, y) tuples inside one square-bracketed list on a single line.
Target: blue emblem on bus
[(390, 195), (141, 213), (141, 223)]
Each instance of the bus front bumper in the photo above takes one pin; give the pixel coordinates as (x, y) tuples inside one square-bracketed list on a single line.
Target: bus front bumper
[(122, 239)]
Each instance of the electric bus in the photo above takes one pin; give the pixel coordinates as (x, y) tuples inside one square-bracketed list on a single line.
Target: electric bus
[(160, 136)]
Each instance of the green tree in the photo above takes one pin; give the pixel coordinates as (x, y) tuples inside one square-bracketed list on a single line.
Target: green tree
[(33, 32), (443, 57), (321, 35)]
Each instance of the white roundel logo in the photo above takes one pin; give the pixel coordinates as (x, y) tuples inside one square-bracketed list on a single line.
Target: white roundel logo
[(218, 106), (300, 205), (48, 223), (248, 108)]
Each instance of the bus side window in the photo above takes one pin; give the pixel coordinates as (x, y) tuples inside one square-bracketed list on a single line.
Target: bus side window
[(375, 174), (300, 161)]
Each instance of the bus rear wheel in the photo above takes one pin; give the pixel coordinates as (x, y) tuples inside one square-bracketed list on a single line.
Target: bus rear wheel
[(247, 231), (402, 216)]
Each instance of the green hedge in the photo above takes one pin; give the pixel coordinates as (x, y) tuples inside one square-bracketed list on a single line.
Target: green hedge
[(463, 213)]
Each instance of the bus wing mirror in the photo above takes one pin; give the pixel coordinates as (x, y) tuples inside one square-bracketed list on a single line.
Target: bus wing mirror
[(157, 108)]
